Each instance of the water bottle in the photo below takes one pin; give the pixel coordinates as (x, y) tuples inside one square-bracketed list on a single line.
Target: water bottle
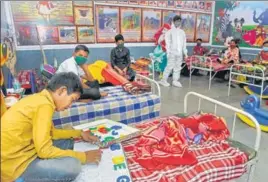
[(16, 85)]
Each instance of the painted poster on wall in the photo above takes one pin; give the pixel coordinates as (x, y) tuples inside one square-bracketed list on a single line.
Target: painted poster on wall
[(153, 3), (43, 12), (188, 25), (107, 19), (151, 22), (85, 34), (26, 35), (83, 16), (83, 3), (208, 6), (67, 34), (170, 4), (144, 3), (48, 35), (133, 2), (162, 4), (251, 27), (123, 1), (131, 24), (203, 22), (168, 16)]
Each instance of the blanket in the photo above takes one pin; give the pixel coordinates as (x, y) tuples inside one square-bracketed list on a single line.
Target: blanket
[(169, 151), (202, 61), (136, 88)]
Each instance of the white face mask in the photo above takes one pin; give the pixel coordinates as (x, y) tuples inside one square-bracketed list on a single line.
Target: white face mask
[(164, 30), (177, 24)]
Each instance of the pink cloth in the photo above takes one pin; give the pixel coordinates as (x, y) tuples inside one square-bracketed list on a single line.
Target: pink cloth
[(168, 143), (147, 159)]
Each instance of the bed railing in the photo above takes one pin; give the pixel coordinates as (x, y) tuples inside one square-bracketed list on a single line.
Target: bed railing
[(155, 88), (234, 71), (226, 106)]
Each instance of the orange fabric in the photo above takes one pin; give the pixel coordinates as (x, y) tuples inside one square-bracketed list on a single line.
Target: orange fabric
[(112, 76)]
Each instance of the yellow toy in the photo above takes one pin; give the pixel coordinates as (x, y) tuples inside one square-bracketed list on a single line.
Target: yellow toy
[(250, 123), (95, 70), (252, 105)]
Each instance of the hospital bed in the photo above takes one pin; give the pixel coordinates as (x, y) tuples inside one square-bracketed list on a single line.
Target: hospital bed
[(117, 106), (237, 70), (205, 63), (219, 168)]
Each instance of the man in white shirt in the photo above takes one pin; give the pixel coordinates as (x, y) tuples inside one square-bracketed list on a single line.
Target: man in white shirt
[(176, 48), (77, 65)]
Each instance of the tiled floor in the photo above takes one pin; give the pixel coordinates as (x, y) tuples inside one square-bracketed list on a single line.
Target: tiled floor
[(172, 102)]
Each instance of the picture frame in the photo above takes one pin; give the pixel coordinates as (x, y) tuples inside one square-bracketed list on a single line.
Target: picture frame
[(86, 34), (203, 27), (83, 3), (107, 23), (151, 22), (189, 24), (67, 34), (130, 20), (83, 15), (49, 35)]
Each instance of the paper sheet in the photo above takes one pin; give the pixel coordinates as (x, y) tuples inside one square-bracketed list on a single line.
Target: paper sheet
[(104, 172)]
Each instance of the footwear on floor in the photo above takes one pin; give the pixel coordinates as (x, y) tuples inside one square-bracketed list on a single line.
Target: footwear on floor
[(164, 83), (176, 84)]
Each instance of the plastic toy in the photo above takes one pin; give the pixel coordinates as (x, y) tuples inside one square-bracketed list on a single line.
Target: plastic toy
[(251, 104), (251, 89), (96, 68)]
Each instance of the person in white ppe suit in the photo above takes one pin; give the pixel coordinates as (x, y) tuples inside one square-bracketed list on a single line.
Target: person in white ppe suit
[(176, 48)]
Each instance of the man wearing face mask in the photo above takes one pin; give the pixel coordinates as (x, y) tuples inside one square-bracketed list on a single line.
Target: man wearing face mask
[(176, 48), (120, 59), (77, 65)]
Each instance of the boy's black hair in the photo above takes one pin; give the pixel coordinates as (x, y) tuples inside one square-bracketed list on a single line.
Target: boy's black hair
[(68, 79), (265, 42), (118, 37), (234, 40), (176, 18), (81, 48), (199, 39)]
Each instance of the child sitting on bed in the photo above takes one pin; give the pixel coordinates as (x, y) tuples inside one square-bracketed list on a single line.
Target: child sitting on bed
[(31, 148), (262, 57), (120, 59), (77, 64), (231, 55), (199, 50)]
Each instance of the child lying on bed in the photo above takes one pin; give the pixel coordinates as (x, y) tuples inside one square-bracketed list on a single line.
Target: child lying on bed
[(77, 64), (31, 148)]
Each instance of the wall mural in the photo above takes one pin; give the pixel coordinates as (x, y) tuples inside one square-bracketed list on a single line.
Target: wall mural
[(251, 27), (72, 22)]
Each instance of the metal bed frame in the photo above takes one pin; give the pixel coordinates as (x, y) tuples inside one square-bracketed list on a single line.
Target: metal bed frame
[(250, 164), (209, 69), (253, 76), (155, 88)]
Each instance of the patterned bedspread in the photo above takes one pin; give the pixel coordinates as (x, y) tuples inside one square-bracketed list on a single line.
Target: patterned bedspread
[(117, 106), (217, 161), (204, 62)]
